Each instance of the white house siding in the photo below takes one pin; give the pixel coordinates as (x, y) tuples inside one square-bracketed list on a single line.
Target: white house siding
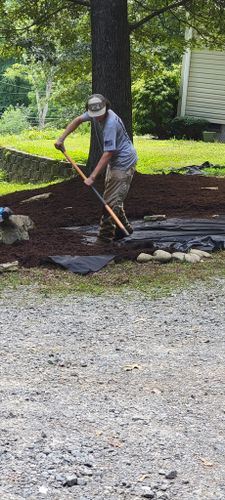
[(203, 86)]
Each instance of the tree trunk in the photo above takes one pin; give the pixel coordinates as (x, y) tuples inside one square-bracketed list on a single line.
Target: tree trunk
[(43, 101), (111, 61)]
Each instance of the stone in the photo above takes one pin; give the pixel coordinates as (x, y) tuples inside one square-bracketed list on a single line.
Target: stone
[(70, 481), (162, 256), (43, 490), (43, 196), (154, 217), (171, 475), (15, 229), (147, 492), (178, 256), (192, 258), (201, 253), (60, 478), (144, 257), (9, 266)]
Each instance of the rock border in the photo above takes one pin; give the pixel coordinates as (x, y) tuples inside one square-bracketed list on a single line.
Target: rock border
[(24, 167)]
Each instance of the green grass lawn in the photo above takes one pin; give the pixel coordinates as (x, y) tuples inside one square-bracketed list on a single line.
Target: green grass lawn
[(42, 144), (11, 187), (154, 155), (157, 155)]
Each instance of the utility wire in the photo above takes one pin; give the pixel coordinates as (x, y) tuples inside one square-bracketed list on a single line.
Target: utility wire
[(13, 84), (16, 93)]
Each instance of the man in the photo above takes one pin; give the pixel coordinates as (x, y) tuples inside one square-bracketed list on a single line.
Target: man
[(118, 155)]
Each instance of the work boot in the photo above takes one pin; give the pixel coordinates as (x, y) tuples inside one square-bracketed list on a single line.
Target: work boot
[(119, 233), (107, 229)]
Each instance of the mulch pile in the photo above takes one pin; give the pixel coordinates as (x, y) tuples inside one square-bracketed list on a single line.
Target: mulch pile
[(73, 204)]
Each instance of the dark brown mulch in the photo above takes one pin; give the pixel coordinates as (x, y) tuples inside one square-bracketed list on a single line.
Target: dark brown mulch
[(73, 204)]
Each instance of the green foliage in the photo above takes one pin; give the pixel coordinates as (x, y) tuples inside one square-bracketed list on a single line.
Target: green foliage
[(54, 56), (155, 102), (13, 120), (12, 93), (166, 28), (58, 34), (68, 101), (188, 127)]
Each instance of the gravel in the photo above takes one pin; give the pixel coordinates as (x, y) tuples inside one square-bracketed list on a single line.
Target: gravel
[(112, 397)]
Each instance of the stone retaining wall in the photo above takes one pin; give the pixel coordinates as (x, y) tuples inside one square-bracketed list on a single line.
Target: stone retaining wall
[(24, 167)]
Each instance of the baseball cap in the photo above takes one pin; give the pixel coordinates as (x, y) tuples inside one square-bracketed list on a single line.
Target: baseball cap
[(96, 105)]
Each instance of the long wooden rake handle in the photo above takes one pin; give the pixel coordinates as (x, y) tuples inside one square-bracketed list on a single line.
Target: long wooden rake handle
[(107, 207)]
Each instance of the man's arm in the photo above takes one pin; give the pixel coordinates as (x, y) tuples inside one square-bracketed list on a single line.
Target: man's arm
[(59, 144), (103, 162)]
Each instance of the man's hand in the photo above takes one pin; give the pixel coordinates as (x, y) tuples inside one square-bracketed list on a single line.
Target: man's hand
[(89, 181), (59, 144), (99, 167)]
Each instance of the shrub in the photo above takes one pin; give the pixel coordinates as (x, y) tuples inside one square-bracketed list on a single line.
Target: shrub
[(155, 103), (13, 120), (188, 127)]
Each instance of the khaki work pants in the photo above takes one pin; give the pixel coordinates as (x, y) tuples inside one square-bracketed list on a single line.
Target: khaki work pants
[(117, 185)]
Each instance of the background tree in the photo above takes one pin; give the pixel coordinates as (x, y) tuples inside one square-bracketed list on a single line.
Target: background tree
[(40, 76), (51, 64), (113, 25), (14, 93)]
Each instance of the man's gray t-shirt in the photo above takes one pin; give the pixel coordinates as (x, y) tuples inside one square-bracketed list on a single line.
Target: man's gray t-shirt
[(115, 139)]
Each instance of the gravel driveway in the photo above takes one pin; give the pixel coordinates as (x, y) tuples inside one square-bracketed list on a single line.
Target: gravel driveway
[(113, 397)]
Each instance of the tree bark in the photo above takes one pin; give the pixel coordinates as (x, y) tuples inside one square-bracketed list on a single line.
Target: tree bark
[(111, 74)]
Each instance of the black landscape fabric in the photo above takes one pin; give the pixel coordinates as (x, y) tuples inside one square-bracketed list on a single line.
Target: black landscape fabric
[(81, 264), (178, 235), (172, 235)]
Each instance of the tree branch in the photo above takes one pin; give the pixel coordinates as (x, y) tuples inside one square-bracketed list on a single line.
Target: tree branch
[(156, 13), (85, 3), (44, 17), (202, 34), (140, 3), (41, 18)]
